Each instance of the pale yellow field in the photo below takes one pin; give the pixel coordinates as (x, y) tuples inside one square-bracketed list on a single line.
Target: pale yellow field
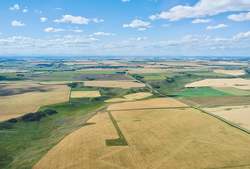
[(130, 97), (146, 70), (85, 94), (19, 104), (115, 100), (230, 72), (233, 82), (114, 84), (239, 115), (157, 139), (139, 95), (147, 104)]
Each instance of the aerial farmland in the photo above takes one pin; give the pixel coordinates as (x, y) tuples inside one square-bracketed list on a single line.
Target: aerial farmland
[(118, 115)]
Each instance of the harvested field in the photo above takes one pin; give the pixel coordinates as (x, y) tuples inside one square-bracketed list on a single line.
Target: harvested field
[(239, 115), (85, 94), (218, 101), (230, 72), (114, 84), (130, 97), (136, 96), (16, 105), (157, 139), (233, 82), (116, 100), (147, 104)]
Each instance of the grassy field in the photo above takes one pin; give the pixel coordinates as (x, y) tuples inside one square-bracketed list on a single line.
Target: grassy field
[(157, 139), (32, 97), (234, 91), (211, 101), (22, 144), (201, 92)]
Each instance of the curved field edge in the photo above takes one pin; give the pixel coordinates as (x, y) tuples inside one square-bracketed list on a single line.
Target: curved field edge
[(24, 143)]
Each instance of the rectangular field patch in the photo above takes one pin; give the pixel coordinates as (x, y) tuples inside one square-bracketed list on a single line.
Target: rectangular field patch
[(124, 84), (155, 103), (85, 94)]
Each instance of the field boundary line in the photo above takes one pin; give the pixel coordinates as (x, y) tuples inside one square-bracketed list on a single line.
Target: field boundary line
[(243, 165), (223, 120), (154, 108)]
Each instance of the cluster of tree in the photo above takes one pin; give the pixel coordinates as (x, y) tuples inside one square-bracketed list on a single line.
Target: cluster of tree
[(36, 116)]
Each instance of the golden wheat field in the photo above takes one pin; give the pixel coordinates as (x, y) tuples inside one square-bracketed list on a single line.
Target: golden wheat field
[(147, 104), (85, 94), (233, 82), (239, 115), (18, 104), (130, 97), (174, 138), (114, 84), (230, 72)]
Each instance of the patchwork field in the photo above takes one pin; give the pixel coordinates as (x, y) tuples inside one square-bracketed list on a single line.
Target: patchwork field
[(114, 84), (157, 139), (233, 82), (18, 99), (130, 97), (85, 94), (230, 72), (239, 115)]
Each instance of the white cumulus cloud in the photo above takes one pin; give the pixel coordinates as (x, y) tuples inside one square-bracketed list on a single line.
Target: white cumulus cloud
[(73, 20), (242, 35), (219, 26), (202, 8), (197, 21), (102, 34), (81, 20), (53, 30), (16, 23), (15, 7), (43, 19), (240, 17), (138, 24)]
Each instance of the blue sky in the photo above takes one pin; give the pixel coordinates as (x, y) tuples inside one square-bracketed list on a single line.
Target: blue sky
[(125, 27)]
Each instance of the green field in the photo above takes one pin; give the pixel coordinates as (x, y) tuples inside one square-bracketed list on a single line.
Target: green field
[(201, 92), (234, 91), (154, 76)]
